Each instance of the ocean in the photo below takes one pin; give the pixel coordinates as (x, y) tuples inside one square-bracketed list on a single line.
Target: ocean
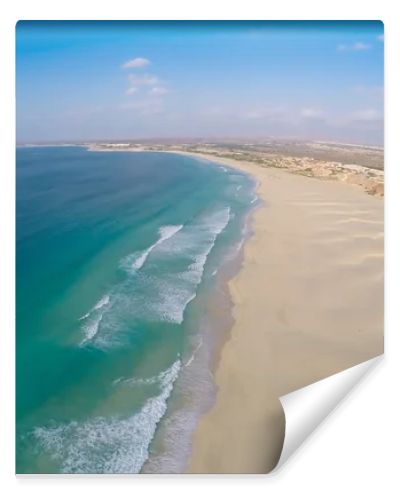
[(121, 267)]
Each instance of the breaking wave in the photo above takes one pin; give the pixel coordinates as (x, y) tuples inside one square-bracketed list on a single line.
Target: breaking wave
[(108, 445), (135, 261), (162, 290)]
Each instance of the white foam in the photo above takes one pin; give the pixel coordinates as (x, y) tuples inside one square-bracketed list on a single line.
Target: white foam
[(108, 445), (135, 261), (216, 224), (168, 231), (172, 307), (196, 243), (93, 319), (191, 359), (162, 296), (160, 379), (100, 304), (91, 328), (195, 388)]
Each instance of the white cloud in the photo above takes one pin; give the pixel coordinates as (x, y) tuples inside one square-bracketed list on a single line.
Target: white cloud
[(158, 90), (138, 62), (261, 113), (255, 114), (146, 107), (361, 46), (366, 115), (369, 91), (132, 90), (355, 47), (311, 113), (212, 111), (140, 80)]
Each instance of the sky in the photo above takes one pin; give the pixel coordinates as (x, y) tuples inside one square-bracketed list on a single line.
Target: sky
[(81, 81)]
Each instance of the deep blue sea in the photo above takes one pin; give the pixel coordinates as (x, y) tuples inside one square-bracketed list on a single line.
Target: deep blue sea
[(120, 304)]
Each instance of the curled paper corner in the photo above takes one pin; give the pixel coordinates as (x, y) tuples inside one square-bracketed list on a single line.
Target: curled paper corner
[(306, 408)]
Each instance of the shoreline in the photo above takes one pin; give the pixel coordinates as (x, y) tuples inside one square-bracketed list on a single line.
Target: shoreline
[(216, 303), (307, 302), (291, 351)]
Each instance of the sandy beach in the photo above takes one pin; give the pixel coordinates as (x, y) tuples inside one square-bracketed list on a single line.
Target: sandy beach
[(308, 302)]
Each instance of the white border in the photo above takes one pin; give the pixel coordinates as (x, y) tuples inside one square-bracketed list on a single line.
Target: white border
[(353, 454)]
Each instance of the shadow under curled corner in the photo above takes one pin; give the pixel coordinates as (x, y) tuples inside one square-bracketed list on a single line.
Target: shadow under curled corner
[(306, 408)]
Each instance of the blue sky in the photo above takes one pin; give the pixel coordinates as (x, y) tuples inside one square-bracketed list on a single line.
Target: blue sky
[(133, 80)]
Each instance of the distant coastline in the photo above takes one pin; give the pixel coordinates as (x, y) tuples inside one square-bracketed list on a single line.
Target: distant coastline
[(358, 165)]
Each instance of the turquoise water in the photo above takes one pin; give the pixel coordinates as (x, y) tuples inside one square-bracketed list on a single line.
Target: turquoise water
[(118, 263)]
